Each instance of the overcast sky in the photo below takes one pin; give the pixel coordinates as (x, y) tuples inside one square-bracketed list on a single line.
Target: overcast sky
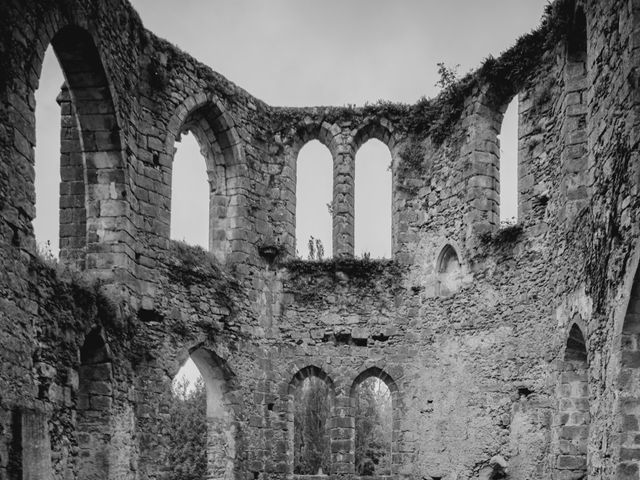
[(303, 52)]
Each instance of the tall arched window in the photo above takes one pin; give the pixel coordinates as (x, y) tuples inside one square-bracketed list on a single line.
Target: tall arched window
[(200, 426), (91, 181), (373, 200), (46, 224), (312, 454), (208, 180), (314, 202), (374, 428), (374, 396), (508, 165), (573, 408), (190, 194), (311, 398)]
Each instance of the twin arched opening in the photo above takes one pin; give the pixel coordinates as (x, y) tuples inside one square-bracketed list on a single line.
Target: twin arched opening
[(333, 434), (343, 193)]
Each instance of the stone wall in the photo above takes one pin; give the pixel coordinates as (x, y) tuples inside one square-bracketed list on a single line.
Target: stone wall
[(508, 350)]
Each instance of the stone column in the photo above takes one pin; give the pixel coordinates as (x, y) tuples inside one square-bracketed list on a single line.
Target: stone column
[(575, 155), (343, 202), (73, 215), (482, 173), (342, 436)]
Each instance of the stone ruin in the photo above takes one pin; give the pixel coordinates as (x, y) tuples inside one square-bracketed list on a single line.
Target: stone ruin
[(511, 352)]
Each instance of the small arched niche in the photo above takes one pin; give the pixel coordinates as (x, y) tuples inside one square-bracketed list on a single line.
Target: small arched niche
[(311, 396), (573, 417), (449, 271)]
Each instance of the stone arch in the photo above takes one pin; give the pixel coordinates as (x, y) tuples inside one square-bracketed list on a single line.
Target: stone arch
[(324, 132), (571, 426), (93, 183), (448, 271), (215, 131), (629, 378), (378, 373), (310, 371), (380, 129), (382, 375), (94, 407)]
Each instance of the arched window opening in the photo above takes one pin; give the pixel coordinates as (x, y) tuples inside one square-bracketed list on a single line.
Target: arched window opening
[(47, 152), (84, 165), (311, 441), (373, 200), (508, 165), (577, 39), (374, 428), (314, 202), (95, 398), (573, 413), (190, 189), (199, 428), (449, 271)]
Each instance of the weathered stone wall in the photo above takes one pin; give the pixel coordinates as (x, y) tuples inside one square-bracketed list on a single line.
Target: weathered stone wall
[(505, 349)]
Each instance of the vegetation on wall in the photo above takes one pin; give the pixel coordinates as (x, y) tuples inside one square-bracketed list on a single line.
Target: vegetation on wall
[(435, 118), (353, 267), (603, 220)]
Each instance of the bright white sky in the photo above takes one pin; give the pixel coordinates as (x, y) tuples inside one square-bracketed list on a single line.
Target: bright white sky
[(309, 52)]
